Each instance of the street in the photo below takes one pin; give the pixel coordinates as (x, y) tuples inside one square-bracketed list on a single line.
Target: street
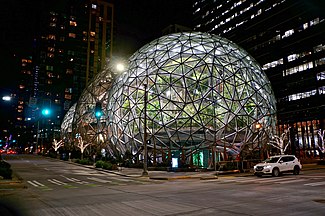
[(54, 187)]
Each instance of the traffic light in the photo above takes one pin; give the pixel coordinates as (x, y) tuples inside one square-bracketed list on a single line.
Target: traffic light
[(46, 112), (98, 110)]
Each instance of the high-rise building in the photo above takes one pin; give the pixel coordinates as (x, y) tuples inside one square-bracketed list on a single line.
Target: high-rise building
[(72, 47), (287, 38)]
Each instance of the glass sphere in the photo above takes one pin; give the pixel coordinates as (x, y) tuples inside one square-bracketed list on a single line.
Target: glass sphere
[(189, 92)]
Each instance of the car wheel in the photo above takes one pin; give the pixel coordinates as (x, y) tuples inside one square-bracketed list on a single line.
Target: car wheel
[(296, 170), (275, 172)]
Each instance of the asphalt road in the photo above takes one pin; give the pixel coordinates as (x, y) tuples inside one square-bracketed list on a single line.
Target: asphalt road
[(53, 187)]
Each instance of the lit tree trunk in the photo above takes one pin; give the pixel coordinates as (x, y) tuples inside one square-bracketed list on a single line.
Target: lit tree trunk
[(82, 146)]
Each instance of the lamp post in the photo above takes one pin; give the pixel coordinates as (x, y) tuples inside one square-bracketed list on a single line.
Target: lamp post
[(98, 115), (44, 113), (145, 150), (258, 126)]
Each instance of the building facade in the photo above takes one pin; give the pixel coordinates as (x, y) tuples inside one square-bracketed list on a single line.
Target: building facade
[(70, 50), (287, 37)]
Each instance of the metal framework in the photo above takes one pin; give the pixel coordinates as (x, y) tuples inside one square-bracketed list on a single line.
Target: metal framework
[(203, 91), (184, 93)]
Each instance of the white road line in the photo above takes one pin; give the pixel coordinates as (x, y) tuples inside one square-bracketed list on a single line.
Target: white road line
[(120, 179), (99, 180), (275, 180), (290, 181), (77, 180), (315, 183), (57, 182), (36, 183)]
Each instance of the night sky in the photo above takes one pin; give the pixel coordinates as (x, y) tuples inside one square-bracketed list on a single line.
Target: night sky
[(137, 22)]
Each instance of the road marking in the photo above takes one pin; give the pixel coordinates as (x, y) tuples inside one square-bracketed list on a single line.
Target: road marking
[(36, 183), (121, 179), (57, 182), (99, 180), (315, 183), (274, 179), (290, 181), (39, 185), (78, 181)]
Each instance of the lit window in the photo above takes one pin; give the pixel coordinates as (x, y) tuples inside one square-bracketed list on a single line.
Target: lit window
[(92, 34), (321, 76), (49, 67), (93, 6), (52, 37), (321, 90), (50, 55), (72, 35), (73, 23), (51, 49)]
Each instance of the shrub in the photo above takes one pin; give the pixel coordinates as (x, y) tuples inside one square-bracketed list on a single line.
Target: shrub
[(107, 165), (99, 164), (321, 162), (4, 164), (5, 170), (85, 162)]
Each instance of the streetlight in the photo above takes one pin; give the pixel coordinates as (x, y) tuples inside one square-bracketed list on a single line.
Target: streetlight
[(145, 150), (258, 126)]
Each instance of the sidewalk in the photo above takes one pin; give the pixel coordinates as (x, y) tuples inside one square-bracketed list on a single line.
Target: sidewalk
[(174, 175), (170, 175)]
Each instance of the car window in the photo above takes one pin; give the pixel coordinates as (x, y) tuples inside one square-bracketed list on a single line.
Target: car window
[(288, 158), (273, 160), (285, 159)]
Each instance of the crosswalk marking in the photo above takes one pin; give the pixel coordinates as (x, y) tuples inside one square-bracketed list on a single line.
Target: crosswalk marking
[(290, 181), (99, 180), (75, 180), (315, 183), (121, 179), (36, 183), (57, 182)]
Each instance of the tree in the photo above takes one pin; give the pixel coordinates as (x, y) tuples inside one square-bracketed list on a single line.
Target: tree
[(278, 142), (82, 146), (321, 136), (56, 145)]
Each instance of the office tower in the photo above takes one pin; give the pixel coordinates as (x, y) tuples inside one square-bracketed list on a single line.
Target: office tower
[(72, 47), (287, 38)]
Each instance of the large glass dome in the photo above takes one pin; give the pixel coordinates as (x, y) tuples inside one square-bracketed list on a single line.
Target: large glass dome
[(193, 91)]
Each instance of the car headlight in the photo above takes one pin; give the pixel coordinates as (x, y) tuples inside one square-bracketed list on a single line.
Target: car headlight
[(267, 167)]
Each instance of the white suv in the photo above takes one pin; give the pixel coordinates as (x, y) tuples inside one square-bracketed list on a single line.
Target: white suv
[(275, 165)]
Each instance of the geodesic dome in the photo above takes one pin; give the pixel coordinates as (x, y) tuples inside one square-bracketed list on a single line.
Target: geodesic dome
[(192, 91), (66, 125), (86, 125)]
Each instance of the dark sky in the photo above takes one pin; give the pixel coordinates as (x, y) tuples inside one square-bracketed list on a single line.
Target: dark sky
[(137, 22), (140, 21)]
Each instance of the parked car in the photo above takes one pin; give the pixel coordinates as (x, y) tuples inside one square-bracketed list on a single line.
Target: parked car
[(278, 164)]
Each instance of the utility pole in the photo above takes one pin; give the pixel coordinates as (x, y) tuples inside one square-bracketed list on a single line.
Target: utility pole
[(145, 150)]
